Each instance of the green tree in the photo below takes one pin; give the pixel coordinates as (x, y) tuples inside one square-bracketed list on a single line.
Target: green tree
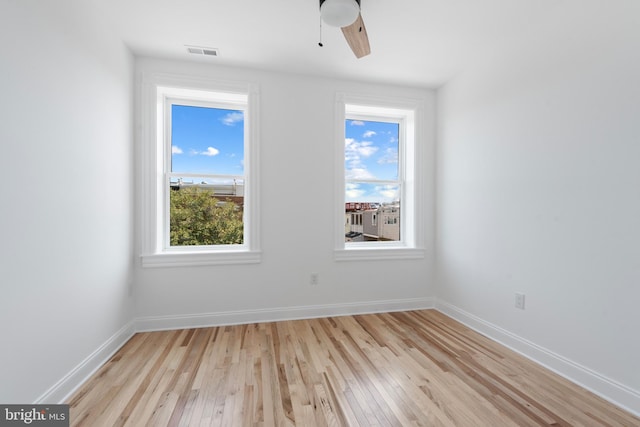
[(198, 218)]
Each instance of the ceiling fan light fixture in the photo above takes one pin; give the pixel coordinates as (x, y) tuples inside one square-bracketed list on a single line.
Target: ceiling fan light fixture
[(339, 13)]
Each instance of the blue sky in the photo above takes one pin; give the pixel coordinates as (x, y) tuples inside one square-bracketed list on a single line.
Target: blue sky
[(211, 141), (371, 153), (207, 140)]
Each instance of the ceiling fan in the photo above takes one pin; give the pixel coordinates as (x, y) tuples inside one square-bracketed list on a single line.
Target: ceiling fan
[(346, 15)]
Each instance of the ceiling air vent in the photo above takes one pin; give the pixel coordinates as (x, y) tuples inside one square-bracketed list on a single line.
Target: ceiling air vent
[(200, 50)]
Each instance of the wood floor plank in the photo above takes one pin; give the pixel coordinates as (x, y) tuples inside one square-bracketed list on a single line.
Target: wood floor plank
[(416, 368)]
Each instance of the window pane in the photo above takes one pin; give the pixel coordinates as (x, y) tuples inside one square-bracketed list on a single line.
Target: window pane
[(371, 150), (207, 140), (206, 211), (372, 212)]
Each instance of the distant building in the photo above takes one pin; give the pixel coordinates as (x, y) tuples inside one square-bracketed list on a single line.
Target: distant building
[(389, 222), (353, 222), (358, 206), (223, 192), (372, 222)]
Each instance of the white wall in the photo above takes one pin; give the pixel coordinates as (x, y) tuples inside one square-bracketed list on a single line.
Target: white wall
[(296, 178), (538, 191), (66, 213)]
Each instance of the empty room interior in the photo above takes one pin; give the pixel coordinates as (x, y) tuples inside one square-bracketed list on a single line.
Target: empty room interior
[(455, 242)]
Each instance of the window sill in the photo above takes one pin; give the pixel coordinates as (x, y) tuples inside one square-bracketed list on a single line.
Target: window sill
[(192, 259), (368, 254)]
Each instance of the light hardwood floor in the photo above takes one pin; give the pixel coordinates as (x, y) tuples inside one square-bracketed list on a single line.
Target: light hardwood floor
[(391, 369)]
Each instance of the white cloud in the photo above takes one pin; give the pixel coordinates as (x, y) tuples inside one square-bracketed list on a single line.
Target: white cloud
[(358, 173), (390, 156), (211, 152), (232, 118), (388, 191), (359, 148), (353, 191), (369, 134), (351, 186), (390, 194), (357, 123), (354, 194), (176, 150), (354, 152)]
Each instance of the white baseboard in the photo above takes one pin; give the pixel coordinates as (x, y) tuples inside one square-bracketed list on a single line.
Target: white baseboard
[(63, 389), (613, 391), (157, 323)]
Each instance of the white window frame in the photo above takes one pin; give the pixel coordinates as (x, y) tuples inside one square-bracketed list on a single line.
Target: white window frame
[(409, 113), (158, 92)]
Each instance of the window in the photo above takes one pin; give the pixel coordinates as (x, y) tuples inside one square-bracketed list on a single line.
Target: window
[(372, 169), (200, 173), (378, 183)]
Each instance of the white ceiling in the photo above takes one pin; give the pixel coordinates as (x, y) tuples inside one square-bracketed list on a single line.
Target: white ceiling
[(413, 42)]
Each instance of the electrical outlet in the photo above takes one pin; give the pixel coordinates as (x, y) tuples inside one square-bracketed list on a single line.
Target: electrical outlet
[(520, 301), (313, 281)]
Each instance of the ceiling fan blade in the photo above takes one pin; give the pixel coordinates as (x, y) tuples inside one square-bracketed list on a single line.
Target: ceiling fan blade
[(356, 35)]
